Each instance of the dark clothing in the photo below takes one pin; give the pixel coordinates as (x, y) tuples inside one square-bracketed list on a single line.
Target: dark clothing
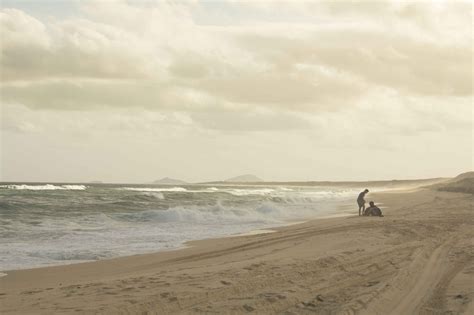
[(373, 211), (360, 199)]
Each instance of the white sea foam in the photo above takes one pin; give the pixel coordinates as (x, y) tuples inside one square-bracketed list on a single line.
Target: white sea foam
[(44, 187), (232, 191), (156, 194), (175, 189), (268, 213), (247, 192), (74, 187)]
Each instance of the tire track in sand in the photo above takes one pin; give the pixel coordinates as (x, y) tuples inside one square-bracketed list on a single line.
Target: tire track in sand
[(423, 286)]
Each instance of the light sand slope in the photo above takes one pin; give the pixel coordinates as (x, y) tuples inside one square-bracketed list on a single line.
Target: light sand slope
[(418, 259)]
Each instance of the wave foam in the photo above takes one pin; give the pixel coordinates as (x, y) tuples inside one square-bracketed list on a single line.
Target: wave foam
[(267, 212), (157, 194), (175, 189), (44, 187), (248, 192), (83, 255), (232, 191)]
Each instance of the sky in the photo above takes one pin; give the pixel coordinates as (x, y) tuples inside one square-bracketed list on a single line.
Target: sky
[(133, 91)]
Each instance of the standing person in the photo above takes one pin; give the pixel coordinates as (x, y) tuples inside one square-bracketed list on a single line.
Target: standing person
[(361, 201)]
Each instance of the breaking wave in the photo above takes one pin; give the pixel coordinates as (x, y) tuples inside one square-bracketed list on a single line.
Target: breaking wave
[(232, 191), (44, 187), (175, 189), (268, 213)]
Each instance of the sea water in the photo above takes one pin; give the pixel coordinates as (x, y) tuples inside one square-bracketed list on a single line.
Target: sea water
[(52, 224)]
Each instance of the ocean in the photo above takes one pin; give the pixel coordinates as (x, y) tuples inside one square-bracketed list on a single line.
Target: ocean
[(52, 224)]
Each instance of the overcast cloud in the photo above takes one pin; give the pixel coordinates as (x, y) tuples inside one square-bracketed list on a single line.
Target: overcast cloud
[(138, 90)]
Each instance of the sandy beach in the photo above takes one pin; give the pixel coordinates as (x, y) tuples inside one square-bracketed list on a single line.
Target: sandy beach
[(418, 259)]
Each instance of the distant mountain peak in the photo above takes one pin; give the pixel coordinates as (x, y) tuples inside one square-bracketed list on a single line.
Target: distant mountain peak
[(244, 178), (169, 181)]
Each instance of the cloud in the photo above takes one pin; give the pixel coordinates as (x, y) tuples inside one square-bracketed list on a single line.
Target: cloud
[(251, 121), (201, 57), (372, 58), (76, 48)]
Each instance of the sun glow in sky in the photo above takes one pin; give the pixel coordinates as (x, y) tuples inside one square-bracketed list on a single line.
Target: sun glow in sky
[(132, 91)]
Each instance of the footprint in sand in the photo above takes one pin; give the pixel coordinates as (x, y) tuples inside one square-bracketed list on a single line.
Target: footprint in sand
[(272, 297), (31, 292), (248, 308), (371, 283), (106, 288)]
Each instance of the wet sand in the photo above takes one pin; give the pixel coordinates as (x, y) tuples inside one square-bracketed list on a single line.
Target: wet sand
[(418, 259)]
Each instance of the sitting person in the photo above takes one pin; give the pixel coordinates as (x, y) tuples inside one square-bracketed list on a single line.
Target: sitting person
[(373, 210)]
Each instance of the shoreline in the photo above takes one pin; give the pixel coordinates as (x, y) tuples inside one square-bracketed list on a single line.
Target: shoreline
[(184, 245), (408, 261)]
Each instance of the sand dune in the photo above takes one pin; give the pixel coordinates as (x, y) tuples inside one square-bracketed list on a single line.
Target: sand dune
[(465, 185), (418, 259)]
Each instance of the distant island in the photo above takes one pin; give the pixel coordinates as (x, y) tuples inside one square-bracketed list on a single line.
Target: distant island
[(247, 178), (169, 181)]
